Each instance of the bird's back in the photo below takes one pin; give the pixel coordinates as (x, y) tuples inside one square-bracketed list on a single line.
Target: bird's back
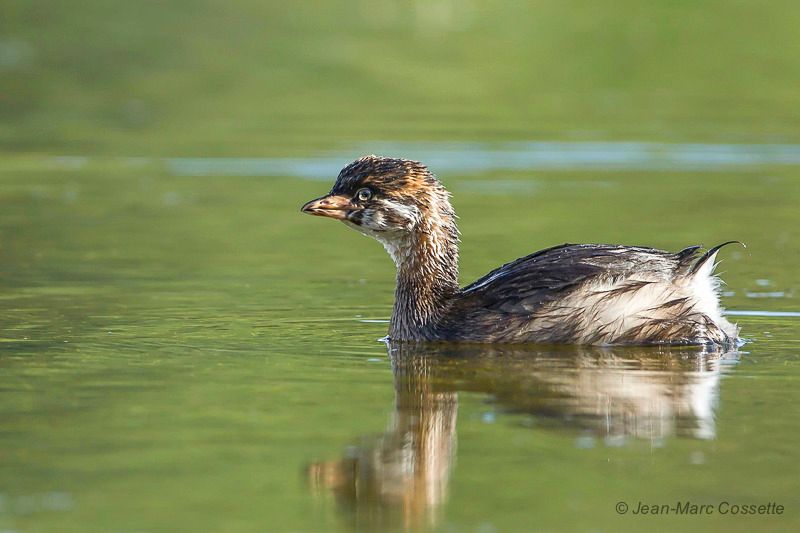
[(593, 294)]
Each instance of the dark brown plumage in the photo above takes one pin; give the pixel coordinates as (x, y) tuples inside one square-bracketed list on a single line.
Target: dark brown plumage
[(584, 293)]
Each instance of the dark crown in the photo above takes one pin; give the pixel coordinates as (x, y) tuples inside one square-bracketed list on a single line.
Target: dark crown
[(389, 175)]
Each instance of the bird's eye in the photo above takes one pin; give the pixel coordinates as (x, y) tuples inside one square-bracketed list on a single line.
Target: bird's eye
[(364, 194)]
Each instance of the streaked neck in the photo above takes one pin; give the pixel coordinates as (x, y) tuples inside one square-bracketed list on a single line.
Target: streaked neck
[(427, 279)]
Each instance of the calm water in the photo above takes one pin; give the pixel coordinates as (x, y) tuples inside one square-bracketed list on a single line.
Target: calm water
[(191, 353), (182, 350)]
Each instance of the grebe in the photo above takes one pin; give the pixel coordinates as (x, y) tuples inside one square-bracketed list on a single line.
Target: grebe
[(573, 293)]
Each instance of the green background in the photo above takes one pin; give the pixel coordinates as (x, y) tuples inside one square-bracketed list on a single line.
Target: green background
[(176, 351)]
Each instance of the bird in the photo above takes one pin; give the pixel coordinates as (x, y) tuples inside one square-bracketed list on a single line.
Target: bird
[(593, 294)]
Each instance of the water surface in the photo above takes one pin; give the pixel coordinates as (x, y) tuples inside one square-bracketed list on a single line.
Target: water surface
[(191, 353), (182, 350)]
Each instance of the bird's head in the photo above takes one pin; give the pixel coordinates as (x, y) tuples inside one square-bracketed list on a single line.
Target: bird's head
[(388, 199)]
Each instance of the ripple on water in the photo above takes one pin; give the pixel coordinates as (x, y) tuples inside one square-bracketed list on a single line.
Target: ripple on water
[(466, 157)]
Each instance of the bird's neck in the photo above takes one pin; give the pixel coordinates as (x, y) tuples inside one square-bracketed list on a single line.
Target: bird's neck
[(427, 279)]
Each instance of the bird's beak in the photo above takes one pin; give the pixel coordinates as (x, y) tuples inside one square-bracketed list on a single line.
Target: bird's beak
[(331, 206)]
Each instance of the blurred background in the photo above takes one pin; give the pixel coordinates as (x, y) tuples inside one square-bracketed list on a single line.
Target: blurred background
[(181, 349), (253, 78)]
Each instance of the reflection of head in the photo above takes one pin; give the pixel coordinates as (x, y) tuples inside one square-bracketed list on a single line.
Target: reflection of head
[(401, 476)]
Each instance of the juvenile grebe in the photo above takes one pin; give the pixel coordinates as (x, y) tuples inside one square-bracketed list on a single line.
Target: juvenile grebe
[(573, 293)]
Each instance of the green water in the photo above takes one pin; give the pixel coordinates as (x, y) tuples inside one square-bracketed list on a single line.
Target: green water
[(190, 353), (195, 354)]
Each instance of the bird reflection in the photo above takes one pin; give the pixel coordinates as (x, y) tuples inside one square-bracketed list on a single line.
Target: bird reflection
[(400, 477)]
